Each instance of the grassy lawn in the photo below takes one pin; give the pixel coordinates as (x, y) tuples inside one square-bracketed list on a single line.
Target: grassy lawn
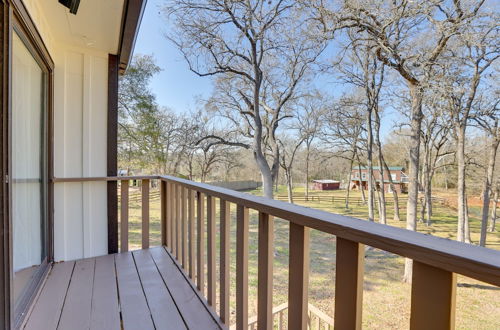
[(386, 300)]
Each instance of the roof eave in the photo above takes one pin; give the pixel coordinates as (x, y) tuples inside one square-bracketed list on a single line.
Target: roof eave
[(132, 15)]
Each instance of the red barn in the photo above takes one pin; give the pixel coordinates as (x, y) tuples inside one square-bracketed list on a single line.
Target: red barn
[(326, 185)]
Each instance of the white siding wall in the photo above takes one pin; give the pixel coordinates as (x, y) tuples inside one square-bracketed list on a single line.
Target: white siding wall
[(80, 128), (80, 219)]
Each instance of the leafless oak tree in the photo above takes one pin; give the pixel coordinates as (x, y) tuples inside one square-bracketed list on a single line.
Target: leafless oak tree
[(260, 53)]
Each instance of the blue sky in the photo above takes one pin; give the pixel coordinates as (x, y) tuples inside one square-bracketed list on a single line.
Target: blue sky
[(176, 86)]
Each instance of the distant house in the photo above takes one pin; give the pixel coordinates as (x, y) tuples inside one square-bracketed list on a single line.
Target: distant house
[(326, 185), (359, 178)]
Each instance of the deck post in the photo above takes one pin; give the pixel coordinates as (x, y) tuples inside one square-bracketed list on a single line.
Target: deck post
[(200, 258), (145, 214), (163, 210), (241, 267), (184, 219), (124, 187), (265, 272), (298, 281), (225, 236), (191, 229), (211, 284), (432, 298), (349, 272)]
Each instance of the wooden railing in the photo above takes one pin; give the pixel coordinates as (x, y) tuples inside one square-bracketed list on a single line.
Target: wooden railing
[(185, 204), (316, 319)]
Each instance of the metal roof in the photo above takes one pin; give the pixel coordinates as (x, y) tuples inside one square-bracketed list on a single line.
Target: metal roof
[(326, 181), (391, 168)]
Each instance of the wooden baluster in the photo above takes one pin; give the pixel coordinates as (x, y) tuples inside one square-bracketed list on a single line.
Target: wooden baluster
[(174, 219), (265, 272), (225, 234), (163, 210), (241, 267), (349, 272), (433, 293), (178, 223), (298, 282), (192, 242), (200, 258), (184, 240), (124, 187), (211, 285), (145, 214), (281, 320), (169, 215)]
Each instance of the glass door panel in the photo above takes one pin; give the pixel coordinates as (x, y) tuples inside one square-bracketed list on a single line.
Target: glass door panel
[(29, 179)]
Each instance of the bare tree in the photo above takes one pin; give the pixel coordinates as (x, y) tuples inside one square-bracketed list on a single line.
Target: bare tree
[(489, 120), (435, 142), (359, 67), (260, 52), (410, 37), (309, 116), (289, 147), (463, 77), (343, 132)]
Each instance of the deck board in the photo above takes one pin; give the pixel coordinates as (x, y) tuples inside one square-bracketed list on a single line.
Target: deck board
[(134, 307), (47, 309), (78, 304), (163, 309), (105, 306), (192, 309), (137, 290)]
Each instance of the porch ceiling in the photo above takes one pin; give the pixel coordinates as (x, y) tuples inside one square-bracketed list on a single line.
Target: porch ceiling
[(97, 24)]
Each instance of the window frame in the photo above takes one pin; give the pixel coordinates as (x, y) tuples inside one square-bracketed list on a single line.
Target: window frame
[(14, 18)]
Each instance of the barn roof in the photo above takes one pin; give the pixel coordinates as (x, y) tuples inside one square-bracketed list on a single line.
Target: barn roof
[(391, 168), (326, 181)]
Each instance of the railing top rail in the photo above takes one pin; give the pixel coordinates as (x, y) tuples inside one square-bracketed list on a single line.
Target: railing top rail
[(473, 261), (104, 178), (477, 262)]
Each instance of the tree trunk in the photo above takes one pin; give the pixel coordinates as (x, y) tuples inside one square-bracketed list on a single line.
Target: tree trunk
[(494, 212), (428, 202), (382, 206), (461, 198), (348, 190), (275, 169), (363, 197), (422, 208), (307, 172), (267, 178), (487, 188), (411, 207), (289, 184), (370, 164), (426, 183), (394, 192), (445, 178)]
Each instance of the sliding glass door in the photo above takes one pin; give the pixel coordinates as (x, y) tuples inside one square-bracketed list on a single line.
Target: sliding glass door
[(29, 185)]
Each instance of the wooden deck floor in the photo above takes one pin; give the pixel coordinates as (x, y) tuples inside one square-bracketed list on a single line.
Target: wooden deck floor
[(142, 289)]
